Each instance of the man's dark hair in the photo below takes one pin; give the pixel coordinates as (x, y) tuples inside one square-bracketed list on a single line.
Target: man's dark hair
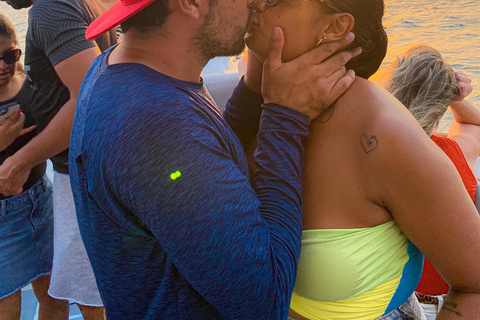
[(150, 18), (6, 29), (369, 32)]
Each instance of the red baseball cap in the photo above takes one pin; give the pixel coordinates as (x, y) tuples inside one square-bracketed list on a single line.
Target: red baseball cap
[(111, 18)]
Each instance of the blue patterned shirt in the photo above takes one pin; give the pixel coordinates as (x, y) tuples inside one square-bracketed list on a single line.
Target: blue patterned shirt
[(172, 223)]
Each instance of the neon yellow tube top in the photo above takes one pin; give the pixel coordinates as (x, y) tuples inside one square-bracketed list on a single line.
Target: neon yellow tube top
[(355, 273)]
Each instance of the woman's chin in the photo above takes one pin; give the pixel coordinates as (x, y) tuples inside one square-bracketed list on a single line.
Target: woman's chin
[(261, 53), (5, 78)]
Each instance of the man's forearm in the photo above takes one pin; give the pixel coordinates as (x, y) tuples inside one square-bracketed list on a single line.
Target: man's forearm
[(54, 139), (243, 112)]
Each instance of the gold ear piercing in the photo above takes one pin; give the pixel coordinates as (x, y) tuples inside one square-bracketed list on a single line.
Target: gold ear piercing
[(320, 41)]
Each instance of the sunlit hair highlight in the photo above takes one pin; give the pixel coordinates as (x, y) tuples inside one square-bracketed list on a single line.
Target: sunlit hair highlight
[(425, 84)]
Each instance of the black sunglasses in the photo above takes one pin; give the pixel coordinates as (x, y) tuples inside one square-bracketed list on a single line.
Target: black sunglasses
[(11, 56)]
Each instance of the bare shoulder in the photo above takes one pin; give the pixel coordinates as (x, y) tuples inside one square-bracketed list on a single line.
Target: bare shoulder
[(378, 119), (367, 99)]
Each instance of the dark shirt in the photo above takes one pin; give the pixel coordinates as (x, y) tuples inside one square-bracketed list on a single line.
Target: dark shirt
[(56, 31), (173, 226), (24, 98)]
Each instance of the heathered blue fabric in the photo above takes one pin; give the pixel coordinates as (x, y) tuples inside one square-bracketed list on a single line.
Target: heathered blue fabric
[(243, 113), (209, 245)]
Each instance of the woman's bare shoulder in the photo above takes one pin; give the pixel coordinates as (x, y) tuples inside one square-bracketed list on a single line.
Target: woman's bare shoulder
[(367, 105)]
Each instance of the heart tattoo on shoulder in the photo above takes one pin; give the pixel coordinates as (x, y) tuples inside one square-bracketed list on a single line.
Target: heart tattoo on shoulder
[(368, 145)]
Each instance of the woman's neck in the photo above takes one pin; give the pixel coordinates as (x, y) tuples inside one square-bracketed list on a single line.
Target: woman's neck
[(12, 87)]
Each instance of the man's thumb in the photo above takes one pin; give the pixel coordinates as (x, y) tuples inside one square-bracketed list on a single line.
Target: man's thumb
[(275, 48)]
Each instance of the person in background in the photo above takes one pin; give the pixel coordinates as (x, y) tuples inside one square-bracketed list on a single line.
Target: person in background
[(57, 56), (422, 81), (26, 220), (377, 191)]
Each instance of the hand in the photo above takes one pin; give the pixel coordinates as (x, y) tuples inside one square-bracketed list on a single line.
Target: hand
[(310, 83), (465, 85), (12, 177), (12, 128)]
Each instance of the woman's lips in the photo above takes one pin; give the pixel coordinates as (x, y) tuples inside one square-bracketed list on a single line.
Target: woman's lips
[(253, 25)]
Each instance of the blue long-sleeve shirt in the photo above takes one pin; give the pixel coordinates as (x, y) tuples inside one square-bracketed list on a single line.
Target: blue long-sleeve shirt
[(172, 224)]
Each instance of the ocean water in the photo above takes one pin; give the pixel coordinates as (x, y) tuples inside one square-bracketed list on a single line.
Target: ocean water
[(451, 26)]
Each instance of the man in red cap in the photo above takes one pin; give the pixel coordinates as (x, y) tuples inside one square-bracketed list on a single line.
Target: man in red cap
[(172, 223), (57, 56)]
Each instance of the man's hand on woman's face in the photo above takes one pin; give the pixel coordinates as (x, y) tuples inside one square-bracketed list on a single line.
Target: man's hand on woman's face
[(313, 81)]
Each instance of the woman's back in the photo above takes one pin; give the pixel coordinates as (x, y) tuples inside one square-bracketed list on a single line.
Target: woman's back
[(343, 183), (350, 236)]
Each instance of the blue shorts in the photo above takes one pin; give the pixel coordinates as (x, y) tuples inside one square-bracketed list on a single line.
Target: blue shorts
[(26, 237)]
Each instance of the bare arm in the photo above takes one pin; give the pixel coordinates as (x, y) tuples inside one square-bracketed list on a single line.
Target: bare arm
[(56, 136), (465, 129), (464, 112), (423, 191)]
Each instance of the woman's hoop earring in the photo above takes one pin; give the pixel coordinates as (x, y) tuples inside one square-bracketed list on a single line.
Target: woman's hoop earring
[(321, 40)]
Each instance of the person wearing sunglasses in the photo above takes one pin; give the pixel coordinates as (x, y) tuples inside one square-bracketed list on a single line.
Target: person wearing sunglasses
[(57, 57), (26, 220), (11, 126)]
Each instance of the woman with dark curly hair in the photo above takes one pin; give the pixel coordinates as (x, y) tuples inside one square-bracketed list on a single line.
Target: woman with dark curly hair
[(377, 191)]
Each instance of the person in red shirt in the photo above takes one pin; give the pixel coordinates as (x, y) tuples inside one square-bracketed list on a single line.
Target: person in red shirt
[(427, 86)]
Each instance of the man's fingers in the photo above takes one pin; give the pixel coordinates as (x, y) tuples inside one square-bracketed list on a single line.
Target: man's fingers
[(26, 130), (324, 51), (11, 193), (342, 85), (339, 60), (330, 66), (274, 56), (7, 192), (337, 74)]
